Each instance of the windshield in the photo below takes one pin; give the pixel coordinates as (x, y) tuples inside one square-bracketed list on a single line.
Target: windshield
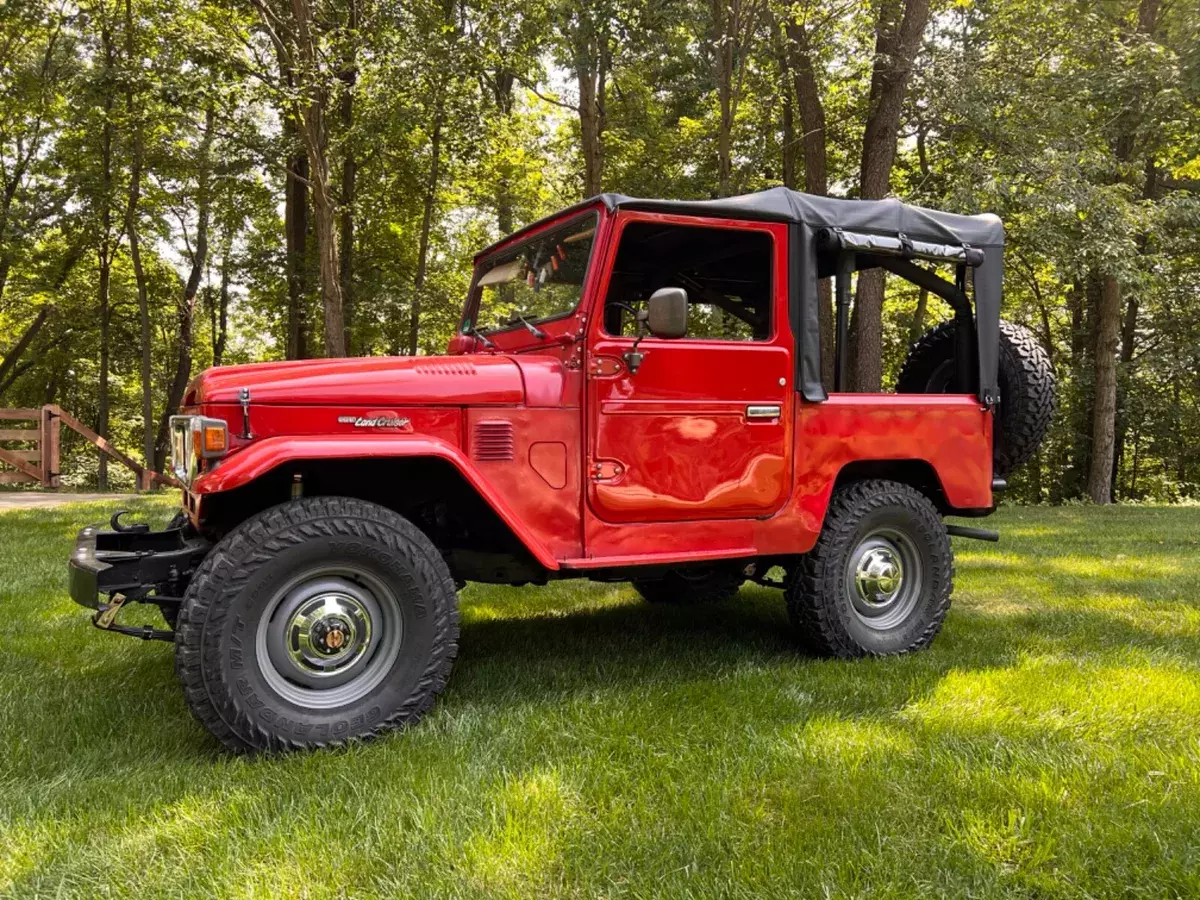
[(538, 279)]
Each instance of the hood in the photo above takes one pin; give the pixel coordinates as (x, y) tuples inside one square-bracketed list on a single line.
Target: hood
[(370, 381)]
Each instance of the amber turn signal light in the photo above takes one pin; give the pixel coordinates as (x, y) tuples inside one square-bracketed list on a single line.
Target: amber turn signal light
[(210, 438), (214, 439)]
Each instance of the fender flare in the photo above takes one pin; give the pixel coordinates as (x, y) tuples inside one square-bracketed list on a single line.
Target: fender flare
[(263, 456)]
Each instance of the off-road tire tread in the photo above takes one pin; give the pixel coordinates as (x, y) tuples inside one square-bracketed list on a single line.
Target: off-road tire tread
[(225, 571), (1028, 396), (812, 590), (672, 589)]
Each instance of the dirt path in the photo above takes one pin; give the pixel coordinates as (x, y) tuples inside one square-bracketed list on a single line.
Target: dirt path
[(38, 500)]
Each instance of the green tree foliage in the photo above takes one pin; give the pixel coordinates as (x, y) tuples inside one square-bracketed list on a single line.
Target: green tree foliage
[(132, 127)]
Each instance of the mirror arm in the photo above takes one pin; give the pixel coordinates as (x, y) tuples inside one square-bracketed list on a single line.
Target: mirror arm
[(633, 357)]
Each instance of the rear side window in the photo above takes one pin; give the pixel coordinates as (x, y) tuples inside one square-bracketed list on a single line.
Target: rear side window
[(726, 272)]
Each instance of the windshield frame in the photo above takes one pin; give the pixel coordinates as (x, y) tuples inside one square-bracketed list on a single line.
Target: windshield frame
[(475, 294)]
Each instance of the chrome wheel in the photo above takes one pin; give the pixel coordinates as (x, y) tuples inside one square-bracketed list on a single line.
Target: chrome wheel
[(329, 637), (884, 579)]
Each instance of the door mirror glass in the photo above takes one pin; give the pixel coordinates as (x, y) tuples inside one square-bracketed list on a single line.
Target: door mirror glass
[(667, 313)]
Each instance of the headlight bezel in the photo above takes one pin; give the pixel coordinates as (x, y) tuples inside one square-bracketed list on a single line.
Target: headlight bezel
[(190, 443)]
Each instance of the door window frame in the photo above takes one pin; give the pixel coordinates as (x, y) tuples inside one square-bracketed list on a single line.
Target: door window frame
[(781, 332)]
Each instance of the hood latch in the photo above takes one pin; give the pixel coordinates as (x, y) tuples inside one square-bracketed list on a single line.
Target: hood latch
[(244, 397)]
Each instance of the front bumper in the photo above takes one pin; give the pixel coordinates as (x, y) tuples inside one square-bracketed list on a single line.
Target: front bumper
[(133, 563)]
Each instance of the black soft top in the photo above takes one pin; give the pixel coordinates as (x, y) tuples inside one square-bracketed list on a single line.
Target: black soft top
[(810, 215), (782, 204), (872, 216)]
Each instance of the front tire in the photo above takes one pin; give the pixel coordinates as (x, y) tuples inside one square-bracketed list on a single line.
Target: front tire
[(879, 579), (315, 623)]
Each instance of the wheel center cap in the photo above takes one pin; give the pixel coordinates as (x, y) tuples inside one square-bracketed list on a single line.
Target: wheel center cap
[(328, 633), (878, 575)]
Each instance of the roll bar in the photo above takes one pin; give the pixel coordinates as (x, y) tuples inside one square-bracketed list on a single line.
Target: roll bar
[(865, 251)]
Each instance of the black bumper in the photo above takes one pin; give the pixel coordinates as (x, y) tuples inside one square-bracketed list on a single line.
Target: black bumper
[(132, 563)]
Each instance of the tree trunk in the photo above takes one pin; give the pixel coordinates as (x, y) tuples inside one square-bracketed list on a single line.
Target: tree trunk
[(816, 177), (502, 91), (135, 251), (1104, 416), (1083, 301), (349, 80), (187, 305), (1124, 149), (788, 151), (295, 226), (435, 159), (314, 132), (734, 23), (1150, 192), (591, 72), (9, 363), (220, 315), (898, 33), (724, 39), (104, 255)]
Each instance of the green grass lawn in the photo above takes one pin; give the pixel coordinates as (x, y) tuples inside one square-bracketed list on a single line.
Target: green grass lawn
[(590, 744)]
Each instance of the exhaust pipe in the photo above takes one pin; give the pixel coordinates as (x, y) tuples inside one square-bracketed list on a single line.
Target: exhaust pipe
[(975, 534)]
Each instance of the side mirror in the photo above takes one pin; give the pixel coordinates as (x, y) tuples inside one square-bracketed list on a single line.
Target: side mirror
[(667, 313)]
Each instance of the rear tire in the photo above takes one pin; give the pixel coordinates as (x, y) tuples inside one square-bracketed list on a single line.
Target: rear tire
[(878, 581), (315, 623), (684, 587), (1027, 388)]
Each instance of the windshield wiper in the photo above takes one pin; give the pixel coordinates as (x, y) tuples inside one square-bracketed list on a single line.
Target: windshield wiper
[(533, 329), (472, 331)]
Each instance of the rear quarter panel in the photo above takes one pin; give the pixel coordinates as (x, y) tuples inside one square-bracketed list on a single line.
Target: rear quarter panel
[(952, 433)]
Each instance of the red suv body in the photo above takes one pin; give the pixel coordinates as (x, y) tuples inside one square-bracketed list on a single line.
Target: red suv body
[(569, 432)]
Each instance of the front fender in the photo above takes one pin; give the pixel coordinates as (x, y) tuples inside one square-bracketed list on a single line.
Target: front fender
[(262, 456)]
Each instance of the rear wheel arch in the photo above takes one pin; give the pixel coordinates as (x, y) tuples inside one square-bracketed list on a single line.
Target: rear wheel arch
[(917, 473)]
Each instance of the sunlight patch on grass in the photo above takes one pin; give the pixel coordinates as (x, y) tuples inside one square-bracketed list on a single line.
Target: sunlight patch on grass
[(520, 847), (1088, 701)]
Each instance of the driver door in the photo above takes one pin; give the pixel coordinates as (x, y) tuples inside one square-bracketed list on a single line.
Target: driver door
[(703, 429)]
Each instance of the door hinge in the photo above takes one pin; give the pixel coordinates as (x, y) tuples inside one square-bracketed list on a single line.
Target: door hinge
[(604, 366)]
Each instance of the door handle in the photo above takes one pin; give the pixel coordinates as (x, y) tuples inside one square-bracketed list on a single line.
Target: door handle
[(763, 412)]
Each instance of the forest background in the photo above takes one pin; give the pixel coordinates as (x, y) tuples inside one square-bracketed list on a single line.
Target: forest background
[(188, 183)]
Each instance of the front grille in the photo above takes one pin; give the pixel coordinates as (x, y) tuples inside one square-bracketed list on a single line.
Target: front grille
[(493, 440)]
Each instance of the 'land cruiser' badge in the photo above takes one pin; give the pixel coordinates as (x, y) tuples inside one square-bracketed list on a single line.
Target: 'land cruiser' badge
[(384, 421)]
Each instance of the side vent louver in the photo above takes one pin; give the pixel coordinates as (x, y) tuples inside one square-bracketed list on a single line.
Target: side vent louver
[(493, 440)]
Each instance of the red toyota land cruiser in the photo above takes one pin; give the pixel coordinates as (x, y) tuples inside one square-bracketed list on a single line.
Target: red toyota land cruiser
[(634, 394)]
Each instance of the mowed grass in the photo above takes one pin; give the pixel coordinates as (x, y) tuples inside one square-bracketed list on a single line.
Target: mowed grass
[(592, 745)]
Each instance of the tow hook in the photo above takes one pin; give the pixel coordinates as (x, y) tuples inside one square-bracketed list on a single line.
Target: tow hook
[(115, 524)]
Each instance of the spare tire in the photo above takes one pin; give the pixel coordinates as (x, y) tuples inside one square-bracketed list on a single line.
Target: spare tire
[(1027, 388)]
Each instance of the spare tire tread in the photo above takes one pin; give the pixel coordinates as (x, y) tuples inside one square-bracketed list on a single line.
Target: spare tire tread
[(1027, 388)]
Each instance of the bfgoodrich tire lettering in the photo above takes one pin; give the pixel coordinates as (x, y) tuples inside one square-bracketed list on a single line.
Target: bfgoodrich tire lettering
[(868, 520), (225, 679)]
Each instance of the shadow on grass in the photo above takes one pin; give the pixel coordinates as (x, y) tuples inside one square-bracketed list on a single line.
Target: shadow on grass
[(552, 658)]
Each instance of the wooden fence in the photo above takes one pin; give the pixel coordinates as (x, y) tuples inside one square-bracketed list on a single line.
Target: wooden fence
[(36, 459)]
